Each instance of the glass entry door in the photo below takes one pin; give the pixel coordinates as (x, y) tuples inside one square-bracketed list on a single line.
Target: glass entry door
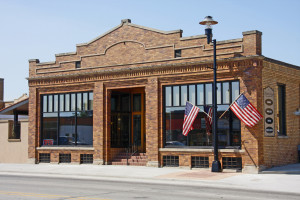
[(127, 119)]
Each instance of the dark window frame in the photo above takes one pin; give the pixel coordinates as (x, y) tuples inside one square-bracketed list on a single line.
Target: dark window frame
[(78, 64), (233, 144), (281, 97), (177, 53), (64, 110)]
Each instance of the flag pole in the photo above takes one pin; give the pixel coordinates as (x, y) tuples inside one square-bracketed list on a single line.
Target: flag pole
[(231, 105), (201, 110), (205, 113)]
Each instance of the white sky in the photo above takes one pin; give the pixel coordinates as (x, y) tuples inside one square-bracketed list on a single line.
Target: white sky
[(37, 29)]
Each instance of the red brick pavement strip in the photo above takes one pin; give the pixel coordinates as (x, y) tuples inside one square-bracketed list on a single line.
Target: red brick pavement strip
[(197, 175)]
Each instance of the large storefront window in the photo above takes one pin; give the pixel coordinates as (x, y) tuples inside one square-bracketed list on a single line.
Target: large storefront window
[(229, 128), (67, 119)]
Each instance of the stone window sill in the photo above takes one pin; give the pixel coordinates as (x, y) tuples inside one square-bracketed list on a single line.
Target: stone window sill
[(201, 150), (67, 148), (282, 136), (14, 140)]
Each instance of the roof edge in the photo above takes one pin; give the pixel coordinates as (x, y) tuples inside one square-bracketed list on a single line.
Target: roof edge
[(127, 22), (13, 106), (281, 63)]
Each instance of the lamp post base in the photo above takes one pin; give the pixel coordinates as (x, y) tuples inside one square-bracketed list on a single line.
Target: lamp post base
[(216, 166)]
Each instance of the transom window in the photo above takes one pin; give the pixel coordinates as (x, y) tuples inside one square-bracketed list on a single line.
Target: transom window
[(175, 97), (67, 119)]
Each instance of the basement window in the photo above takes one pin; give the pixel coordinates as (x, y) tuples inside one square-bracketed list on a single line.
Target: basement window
[(200, 162), (171, 161), (86, 159), (64, 158), (177, 53), (44, 158), (232, 163)]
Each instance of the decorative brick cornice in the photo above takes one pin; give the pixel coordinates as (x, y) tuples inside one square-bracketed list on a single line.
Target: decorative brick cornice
[(224, 65)]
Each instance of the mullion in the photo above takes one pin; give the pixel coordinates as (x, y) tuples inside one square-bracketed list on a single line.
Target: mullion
[(222, 99), (172, 96), (58, 120), (179, 95)]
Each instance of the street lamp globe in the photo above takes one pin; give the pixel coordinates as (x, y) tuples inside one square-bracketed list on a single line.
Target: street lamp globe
[(208, 21)]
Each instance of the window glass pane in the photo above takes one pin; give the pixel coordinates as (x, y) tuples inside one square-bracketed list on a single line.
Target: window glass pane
[(200, 94), (79, 101), (192, 94), (55, 103), (120, 129), (174, 122), (125, 103), (137, 128), (50, 103), (219, 93), (235, 90), (61, 102), (73, 101), (208, 93), (226, 95), (91, 101), (45, 103), (183, 95), (49, 132), (137, 103), (67, 128), (85, 128), (223, 127), (85, 101), (113, 102), (67, 102), (176, 96), (281, 110), (168, 96)]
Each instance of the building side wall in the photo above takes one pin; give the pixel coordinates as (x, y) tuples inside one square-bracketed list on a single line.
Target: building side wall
[(15, 148), (281, 150)]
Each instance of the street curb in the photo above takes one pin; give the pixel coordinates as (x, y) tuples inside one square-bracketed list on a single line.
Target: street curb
[(169, 181), (280, 172)]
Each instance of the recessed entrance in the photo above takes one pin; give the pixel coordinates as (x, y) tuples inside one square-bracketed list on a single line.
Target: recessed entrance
[(128, 120)]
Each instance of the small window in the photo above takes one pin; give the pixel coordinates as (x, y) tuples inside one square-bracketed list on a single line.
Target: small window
[(178, 53), (14, 130), (171, 161), (44, 158), (64, 158), (78, 64), (281, 110), (200, 162), (86, 158), (232, 163)]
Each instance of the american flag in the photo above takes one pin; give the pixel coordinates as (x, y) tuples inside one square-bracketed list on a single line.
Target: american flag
[(245, 111), (208, 118), (190, 115)]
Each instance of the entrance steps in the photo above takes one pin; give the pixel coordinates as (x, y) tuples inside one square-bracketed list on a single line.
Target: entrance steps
[(137, 159)]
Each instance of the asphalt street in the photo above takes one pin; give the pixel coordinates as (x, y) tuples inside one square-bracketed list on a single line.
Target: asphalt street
[(14, 187)]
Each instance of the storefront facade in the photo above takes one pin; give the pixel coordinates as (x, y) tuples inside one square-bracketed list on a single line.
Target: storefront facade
[(124, 93)]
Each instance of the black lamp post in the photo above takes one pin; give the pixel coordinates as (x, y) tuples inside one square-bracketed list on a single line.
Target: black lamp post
[(208, 21)]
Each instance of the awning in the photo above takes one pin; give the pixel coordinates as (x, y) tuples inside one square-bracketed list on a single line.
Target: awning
[(20, 107)]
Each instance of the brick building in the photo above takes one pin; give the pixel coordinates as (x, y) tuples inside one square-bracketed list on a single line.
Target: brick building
[(125, 92)]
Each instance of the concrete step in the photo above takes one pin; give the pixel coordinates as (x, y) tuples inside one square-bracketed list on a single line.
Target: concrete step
[(138, 159)]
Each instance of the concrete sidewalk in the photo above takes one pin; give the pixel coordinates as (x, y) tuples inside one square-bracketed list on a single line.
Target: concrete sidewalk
[(200, 177), (286, 169)]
